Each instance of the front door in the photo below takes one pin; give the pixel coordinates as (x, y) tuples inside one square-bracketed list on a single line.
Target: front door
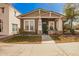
[(51, 26), (45, 28)]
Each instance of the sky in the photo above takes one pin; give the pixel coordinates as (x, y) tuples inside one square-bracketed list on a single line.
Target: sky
[(28, 7)]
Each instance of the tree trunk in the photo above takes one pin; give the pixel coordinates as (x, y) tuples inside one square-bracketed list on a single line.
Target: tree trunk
[(71, 25)]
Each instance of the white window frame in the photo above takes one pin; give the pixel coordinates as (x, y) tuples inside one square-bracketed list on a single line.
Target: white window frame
[(15, 27), (29, 20)]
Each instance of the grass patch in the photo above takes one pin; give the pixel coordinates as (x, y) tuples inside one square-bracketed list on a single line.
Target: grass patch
[(24, 39), (55, 38), (65, 39)]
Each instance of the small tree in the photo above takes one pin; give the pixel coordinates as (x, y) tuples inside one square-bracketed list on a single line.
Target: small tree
[(70, 15)]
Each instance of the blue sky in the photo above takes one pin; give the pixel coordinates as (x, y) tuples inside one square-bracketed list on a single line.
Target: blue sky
[(27, 7)]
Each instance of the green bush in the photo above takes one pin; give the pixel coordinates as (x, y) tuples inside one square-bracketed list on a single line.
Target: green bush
[(72, 31)]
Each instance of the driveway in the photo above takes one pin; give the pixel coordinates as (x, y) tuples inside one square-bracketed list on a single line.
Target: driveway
[(44, 49)]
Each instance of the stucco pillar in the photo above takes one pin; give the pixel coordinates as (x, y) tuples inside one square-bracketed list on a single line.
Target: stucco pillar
[(40, 26), (59, 25)]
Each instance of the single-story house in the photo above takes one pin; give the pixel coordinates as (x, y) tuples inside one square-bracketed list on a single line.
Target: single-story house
[(41, 21)]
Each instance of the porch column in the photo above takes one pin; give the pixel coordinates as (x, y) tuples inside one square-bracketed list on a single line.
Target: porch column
[(59, 25), (55, 24), (39, 26)]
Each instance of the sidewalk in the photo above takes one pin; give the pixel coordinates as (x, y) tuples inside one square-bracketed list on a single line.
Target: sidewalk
[(71, 49), (29, 50), (44, 49)]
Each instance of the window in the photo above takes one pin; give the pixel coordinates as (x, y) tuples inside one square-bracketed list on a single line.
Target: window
[(26, 25), (29, 25), (14, 13), (1, 26), (32, 25), (1, 10), (14, 27)]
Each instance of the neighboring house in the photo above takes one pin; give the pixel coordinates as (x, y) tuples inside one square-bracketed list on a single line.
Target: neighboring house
[(41, 21), (9, 24)]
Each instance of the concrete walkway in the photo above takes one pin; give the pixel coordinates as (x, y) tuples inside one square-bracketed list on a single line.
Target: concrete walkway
[(2, 36), (47, 39)]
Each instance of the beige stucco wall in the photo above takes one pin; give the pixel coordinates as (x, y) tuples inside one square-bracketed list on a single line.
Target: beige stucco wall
[(8, 18), (59, 24), (13, 19), (4, 17), (39, 26)]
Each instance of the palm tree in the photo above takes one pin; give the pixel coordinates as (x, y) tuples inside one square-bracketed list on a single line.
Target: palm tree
[(70, 15)]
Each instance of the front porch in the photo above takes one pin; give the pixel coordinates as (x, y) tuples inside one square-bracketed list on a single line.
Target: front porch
[(50, 26)]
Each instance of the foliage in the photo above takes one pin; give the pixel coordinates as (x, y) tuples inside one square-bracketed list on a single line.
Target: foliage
[(22, 39), (70, 15)]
